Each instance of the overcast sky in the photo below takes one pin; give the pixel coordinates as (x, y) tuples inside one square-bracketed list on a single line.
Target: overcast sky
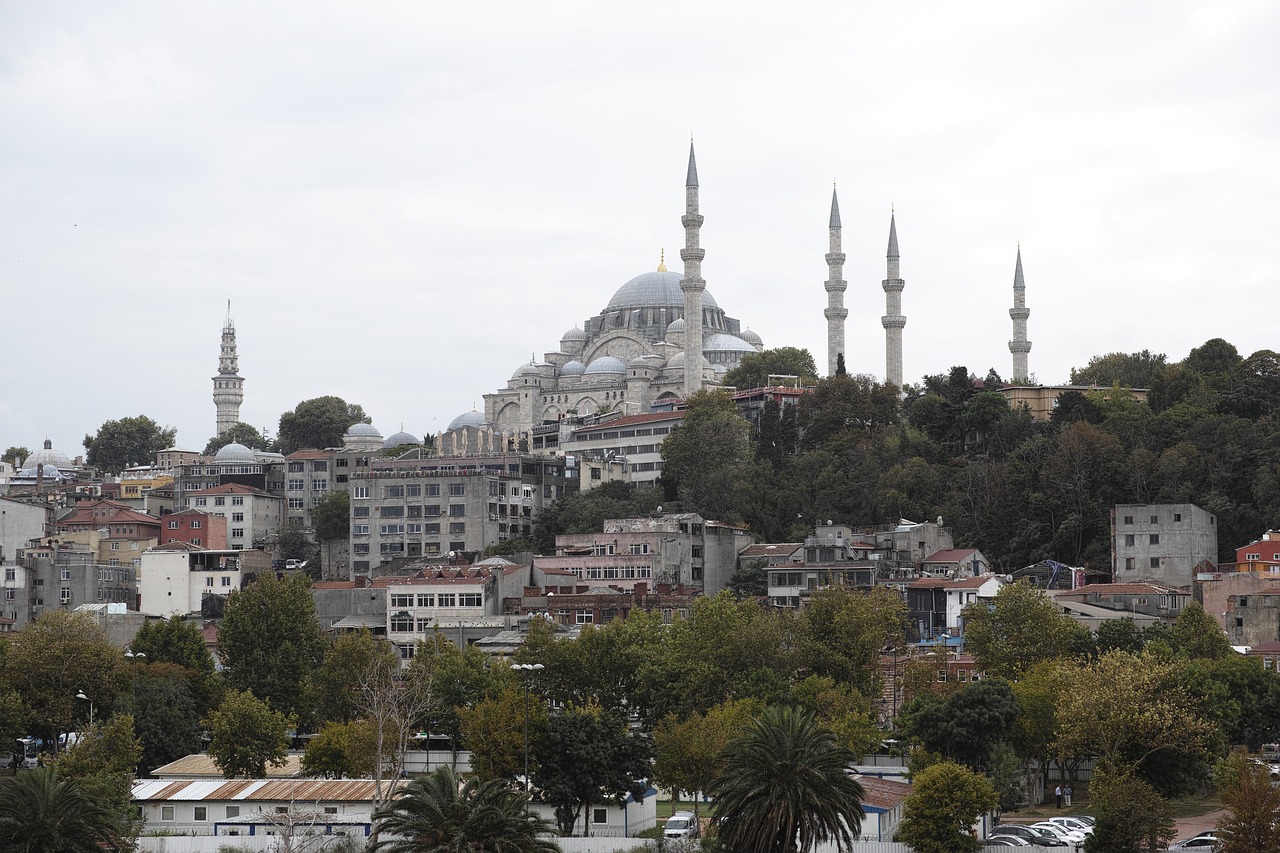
[(404, 201)]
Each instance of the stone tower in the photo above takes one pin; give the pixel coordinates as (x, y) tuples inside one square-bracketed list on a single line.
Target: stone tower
[(692, 284), (893, 321), (835, 312), (228, 385), (1019, 346)]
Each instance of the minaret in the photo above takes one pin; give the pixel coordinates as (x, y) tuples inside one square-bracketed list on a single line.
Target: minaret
[(1019, 346), (692, 284), (835, 311), (893, 321), (228, 385)]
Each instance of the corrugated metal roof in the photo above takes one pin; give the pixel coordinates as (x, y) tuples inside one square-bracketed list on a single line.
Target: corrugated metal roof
[(260, 790)]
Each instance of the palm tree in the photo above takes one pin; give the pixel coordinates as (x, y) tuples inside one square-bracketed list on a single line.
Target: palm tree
[(441, 814), (40, 813), (786, 787)]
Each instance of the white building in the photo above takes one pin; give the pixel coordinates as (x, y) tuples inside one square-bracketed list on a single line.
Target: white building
[(174, 579), (252, 514), (446, 599)]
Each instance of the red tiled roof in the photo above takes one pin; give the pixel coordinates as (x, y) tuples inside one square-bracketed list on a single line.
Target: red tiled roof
[(333, 584), (928, 583), (969, 583), (1266, 648), (955, 555), (1124, 589), (883, 793), (309, 454)]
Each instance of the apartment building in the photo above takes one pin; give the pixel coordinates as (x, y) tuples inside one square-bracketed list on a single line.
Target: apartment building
[(1164, 543)]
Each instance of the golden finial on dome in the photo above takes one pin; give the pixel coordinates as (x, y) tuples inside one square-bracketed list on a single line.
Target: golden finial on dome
[(662, 260)]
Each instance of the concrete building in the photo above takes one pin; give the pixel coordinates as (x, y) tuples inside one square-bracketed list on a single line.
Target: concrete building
[(629, 447), (174, 580), (1163, 543), (63, 575), (308, 478), (1254, 619), (444, 599), (233, 463), (359, 600), (937, 604), (254, 517), (20, 522), (1131, 598), (673, 550), (1041, 400), (955, 563)]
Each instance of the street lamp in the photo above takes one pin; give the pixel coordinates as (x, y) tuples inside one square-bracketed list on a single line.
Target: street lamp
[(81, 695), (527, 667)]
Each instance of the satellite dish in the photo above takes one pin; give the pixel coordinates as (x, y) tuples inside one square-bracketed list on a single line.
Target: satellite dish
[(828, 522), (453, 553)]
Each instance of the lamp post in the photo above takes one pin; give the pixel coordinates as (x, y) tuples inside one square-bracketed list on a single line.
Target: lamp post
[(81, 695), (134, 658), (527, 668)]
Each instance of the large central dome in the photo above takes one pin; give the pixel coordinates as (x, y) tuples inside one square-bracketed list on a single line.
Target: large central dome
[(654, 290)]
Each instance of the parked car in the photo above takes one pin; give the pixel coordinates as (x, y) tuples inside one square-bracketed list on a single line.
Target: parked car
[(1074, 839), (1075, 822), (1034, 837), (1208, 840), (681, 825), (1005, 841)]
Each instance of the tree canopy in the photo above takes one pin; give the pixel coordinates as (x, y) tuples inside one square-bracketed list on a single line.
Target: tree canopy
[(755, 369), (239, 433), (127, 442), (318, 423), (246, 735)]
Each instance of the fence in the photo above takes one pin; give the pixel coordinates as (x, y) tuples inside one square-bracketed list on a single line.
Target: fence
[(268, 844)]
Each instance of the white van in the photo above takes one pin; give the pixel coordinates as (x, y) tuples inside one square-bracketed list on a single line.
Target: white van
[(681, 825)]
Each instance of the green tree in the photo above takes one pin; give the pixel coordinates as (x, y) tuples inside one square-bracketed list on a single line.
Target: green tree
[(331, 516), (945, 802), (1035, 729), (270, 641), (58, 656), (318, 423), (174, 640), (1132, 816), (495, 729), (294, 544), (1136, 370), (1021, 628), (41, 812), (585, 512), (689, 754), (842, 710), (127, 442), (1252, 821), (588, 756), (705, 454), (168, 702), (239, 433), (15, 456), (342, 750), (786, 787), (845, 404), (246, 734), (964, 726), (103, 761), (750, 580), (1196, 634), (841, 632), (755, 369), (440, 813), (335, 686)]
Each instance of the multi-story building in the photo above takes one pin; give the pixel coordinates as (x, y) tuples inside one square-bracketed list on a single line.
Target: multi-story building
[(308, 478), (1165, 543), (253, 516), (633, 444), (1254, 620), (175, 579), (63, 575), (1042, 400), (419, 505), (454, 601), (1260, 555), (937, 604), (234, 463), (670, 550), (136, 485), (20, 522), (115, 532), (195, 527)]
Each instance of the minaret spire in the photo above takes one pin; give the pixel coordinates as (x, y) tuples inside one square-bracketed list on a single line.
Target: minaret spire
[(692, 285), (228, 385), (835, 311), (893, 320), (1019, 346)]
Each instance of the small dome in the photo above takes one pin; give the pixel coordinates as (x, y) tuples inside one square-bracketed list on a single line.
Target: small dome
[(401, 439), (233, 452), (677, 325), (527, 369), (573, 368), (573, 335), (642, 361), (726, 343), (605, 364), (47, 456), (469, 419), (363, 430), (654, 290), (677, 360), (752, 338)]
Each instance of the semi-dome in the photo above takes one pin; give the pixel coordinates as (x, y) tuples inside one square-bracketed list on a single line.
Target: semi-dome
[(677, 325), (573, 368), (47, 456), (654, 290), (234, 453), (400, 439), (752, 338), (468, 419), (363, 430), (605, 364), (726, 343)]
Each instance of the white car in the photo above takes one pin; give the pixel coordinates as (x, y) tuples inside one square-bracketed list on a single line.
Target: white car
[(681, 825), (1204, 841), (1073, 838), (1073, 823)]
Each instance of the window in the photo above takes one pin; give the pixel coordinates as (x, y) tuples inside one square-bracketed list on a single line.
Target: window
[(393, 491), (413, 490), (115, 546), (962, 676), (391, 512), (1155, 519), (201, 813), (431, 490), (330, 809), (233, 811), (238, 500), (359, 512), (208, 582), (446, 599), (470, 599), (64, 594), (1129, 563), (457, 510), (1128, 519), (297, 485), (173, 525), (402, 624), (599, 815), (426, 599), (431, 510), (585, 617), (202, 501), (457, 527), (457, 489), (195, 540), (295, 503), (66, 571), (1155, 562), (415, 529), (1129, 539), (226, 580), (166, 812), (1155, 538), (360, 492), (237, 516), (1177, 518), (237, 533), (942, 676), (391, 529), (295, 467), (401, 600), (320, 465)]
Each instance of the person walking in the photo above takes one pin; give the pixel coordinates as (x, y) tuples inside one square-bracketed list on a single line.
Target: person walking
[(1066, 793), (1057, 792)]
